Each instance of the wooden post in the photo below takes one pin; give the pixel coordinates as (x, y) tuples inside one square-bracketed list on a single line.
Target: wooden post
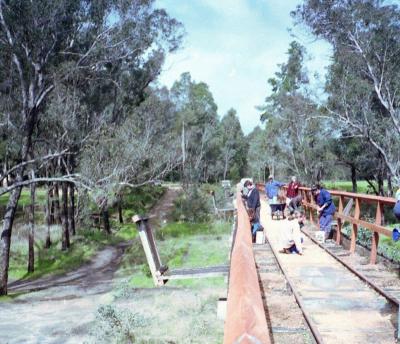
[(375, 235), (312, 201), (355, 226), (150, 248), (153, 246), (339, 221)]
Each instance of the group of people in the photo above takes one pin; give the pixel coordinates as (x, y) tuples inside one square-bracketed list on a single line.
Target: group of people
[(291, 235)]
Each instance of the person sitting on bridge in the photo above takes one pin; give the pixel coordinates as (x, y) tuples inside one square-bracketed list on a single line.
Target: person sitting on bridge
[(291, 237), (326, 208), (295, 203), (301, 218), (272, 189)]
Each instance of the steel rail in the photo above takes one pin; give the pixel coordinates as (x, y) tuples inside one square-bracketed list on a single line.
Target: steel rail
[(364, 278), (316, 334)]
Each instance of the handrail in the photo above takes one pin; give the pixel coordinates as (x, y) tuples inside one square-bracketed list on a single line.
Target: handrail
[(376, 228), (245, 319)]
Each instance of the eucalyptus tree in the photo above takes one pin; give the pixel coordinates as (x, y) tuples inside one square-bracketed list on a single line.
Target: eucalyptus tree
[(43, 43), (258, 156), (233, 147), (133, 153), (293, 128), (364, 77), (197, 121)]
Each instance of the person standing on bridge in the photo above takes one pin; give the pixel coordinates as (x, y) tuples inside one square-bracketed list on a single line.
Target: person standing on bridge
[(326, 208), (253, 200), (292, 190), (396, 209), (272, 189), (253, 207)]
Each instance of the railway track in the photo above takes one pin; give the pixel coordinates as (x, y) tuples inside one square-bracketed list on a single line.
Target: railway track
[(284, 316), (319, 298), (382, 278)]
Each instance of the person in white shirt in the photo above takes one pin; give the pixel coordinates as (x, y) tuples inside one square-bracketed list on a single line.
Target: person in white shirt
[(291, 239)]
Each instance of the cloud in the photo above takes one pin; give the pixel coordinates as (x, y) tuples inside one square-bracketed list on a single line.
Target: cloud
[(235, 46), (228, 8)]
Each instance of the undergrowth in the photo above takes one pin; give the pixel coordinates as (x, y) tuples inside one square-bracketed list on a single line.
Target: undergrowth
[(83, 246)]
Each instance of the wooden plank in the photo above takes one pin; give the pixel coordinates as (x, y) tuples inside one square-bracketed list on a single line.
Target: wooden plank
[(375, 235), (206, 272), (371, 226)]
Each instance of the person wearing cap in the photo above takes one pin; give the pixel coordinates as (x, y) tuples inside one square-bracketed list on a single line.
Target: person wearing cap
[(272, 189), (326, 208)]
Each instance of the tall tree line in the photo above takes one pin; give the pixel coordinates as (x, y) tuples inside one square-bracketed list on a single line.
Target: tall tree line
[(81, 116), (354, 132)]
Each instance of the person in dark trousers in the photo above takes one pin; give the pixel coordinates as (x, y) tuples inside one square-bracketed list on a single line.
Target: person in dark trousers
[(272, 189), (253, 200), (396, 209), (253, 205), (293, 189), (326, 208), (295, 203)]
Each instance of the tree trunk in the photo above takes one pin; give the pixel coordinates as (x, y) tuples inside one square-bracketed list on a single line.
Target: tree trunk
[(106, 219), (226, 167), (31, 234), (390, 185), (64, 217), (120, 217), (380, 185), (71, 208), (51, 204), (5, 238), (56, 200), (48, 210), (354, 178)]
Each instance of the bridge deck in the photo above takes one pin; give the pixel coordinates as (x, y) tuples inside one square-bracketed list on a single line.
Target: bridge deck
[(340, 305)]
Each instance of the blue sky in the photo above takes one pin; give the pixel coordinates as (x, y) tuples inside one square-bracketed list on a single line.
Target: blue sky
[(234, 46)]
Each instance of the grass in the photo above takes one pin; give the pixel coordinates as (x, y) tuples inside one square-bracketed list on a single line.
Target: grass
[(25, 198), (146, 316), (183, 245), (83, 246), (386, 246), (346, 185)]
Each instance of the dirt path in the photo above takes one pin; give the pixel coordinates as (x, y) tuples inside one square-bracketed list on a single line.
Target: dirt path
[(59, 309)]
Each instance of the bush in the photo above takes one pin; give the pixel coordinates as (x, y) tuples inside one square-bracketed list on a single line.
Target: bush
[(113, 325), (192, 206)]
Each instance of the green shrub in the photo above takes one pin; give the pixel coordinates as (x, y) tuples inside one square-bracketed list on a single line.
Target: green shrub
[(113, 325), (192, 206)]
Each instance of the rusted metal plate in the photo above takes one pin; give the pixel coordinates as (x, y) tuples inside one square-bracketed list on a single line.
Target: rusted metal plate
[(246, 319)]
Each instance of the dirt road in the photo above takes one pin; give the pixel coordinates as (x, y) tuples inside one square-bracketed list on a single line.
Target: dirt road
[(59, 309)]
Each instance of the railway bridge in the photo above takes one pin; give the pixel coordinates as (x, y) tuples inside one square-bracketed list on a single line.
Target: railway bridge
[(330, 294)]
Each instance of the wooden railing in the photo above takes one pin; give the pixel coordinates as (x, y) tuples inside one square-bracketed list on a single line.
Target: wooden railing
[(352, 215), (245, 319)]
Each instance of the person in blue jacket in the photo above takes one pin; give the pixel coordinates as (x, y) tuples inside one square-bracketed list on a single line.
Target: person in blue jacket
[(326, 208), (396, 209), (271, 189)]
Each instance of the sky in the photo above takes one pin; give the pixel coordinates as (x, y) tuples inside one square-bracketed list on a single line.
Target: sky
[(235, 46)]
